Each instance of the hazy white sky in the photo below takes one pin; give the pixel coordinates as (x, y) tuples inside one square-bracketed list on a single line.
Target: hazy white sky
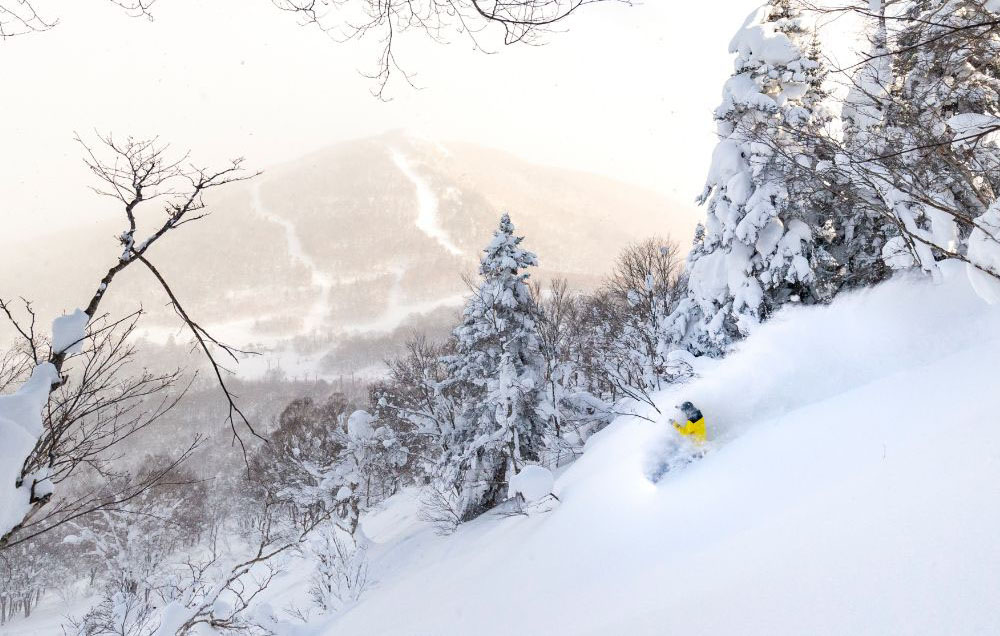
[(626, 92)]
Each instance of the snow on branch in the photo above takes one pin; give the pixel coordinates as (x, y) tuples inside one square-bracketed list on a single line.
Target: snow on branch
[(135, 173)]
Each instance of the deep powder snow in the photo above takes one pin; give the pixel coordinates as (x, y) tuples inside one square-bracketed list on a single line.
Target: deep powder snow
[(851, 488)]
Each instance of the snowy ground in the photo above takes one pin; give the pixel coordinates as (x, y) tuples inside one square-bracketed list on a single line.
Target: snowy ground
[(48, 618), (852, 487)]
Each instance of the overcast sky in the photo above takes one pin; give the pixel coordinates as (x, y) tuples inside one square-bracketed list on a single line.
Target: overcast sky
[(625, 92)]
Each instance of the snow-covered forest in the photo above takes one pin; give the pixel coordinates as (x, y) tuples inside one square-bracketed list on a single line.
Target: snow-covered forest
[(527, 458)]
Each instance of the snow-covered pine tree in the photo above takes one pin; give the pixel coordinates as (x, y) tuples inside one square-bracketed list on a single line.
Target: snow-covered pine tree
[(849, 228), (948, 74), (921, 132), (860, 228), (499, 368), (878, 126), (755, 250)]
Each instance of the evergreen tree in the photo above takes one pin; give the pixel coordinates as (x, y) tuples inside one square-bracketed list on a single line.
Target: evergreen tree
[(757, 248), (499, 368), (947, 81), (921, 130)]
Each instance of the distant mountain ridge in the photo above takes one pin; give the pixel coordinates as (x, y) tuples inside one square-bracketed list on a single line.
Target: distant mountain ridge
[(363, 237)]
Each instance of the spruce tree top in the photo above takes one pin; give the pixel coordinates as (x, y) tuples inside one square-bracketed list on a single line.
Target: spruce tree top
[(503, 256)]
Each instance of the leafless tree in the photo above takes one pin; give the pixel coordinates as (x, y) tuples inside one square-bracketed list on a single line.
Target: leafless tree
[(19, 17), (652, 265), (519, 21), (287, 470), (87, 417), (413, 394), (643, 288), (556, 311), (207, 581), (574, 408)]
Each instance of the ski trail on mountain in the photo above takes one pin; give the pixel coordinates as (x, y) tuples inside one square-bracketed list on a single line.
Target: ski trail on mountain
[(320, 309), (398, 310), (427, 204)]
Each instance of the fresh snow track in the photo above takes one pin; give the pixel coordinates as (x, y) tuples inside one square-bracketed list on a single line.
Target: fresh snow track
[(427, 204)]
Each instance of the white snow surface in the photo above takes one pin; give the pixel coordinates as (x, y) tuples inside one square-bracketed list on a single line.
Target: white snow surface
[(20, 428), (851, 487), (69, 331), (533, 482), (984, 255)]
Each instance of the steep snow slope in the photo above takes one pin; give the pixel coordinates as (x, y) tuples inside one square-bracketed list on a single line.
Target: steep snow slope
[(853, 488)]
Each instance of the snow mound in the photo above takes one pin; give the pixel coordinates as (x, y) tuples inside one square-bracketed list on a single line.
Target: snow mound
[(69, 331), (984, 255), (20, 427), (533, 483), (807, 354), (359, 425), (759, 41)]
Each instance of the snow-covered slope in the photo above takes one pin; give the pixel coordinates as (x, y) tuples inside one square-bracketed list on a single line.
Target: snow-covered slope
[(853, 487)]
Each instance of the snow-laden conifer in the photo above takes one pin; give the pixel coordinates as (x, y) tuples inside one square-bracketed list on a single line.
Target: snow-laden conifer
[(921, 126), (499, 367), (755, 250)]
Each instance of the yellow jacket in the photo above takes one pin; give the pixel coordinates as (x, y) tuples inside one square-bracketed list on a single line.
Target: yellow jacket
[(692, 430)]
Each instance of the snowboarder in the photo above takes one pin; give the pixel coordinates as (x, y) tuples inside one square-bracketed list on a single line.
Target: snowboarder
[(694, 426)]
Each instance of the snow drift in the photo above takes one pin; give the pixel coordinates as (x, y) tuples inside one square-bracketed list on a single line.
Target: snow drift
[(20, 428), (851, 488)]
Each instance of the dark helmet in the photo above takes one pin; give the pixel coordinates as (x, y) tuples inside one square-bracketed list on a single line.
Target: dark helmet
[(691, 411)]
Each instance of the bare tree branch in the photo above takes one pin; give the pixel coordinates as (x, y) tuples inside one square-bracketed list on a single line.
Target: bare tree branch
[(81, 426)]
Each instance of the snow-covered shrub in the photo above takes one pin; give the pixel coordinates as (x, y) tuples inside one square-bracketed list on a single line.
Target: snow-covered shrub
[(122, 609), (341, 568), (441, 508)]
